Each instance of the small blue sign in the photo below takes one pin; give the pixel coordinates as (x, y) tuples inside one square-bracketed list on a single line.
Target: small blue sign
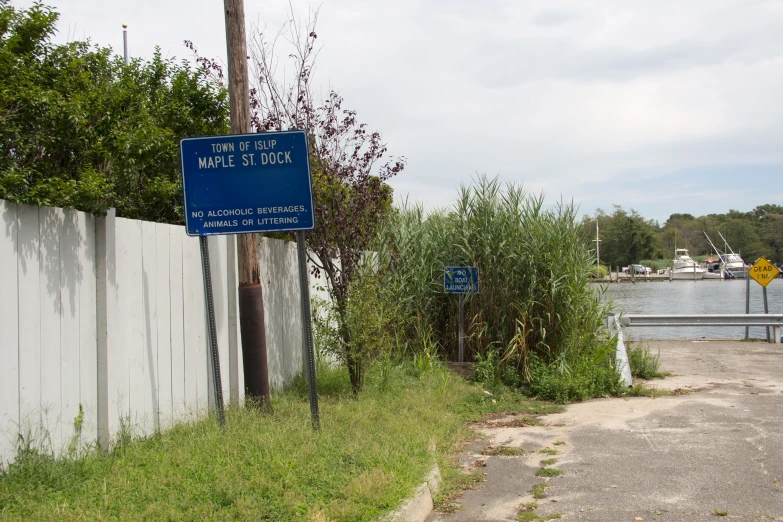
[(243, 183), (461, 280)]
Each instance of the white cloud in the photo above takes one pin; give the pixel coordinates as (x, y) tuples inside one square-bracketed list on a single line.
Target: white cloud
[(563, 95)]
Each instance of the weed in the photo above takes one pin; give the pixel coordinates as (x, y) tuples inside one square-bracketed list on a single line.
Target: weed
[(531, 506), (644, 364), (720, 512), (558, 443), (548, 472), (486, 369), (640, 390), (539, 490), (455, 482), (548, 462), (517, 423), (548, 451), (502, 451), (531, 516), (582, 379)]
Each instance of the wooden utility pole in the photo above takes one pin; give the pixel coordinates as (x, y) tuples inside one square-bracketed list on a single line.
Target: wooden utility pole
[(251, 297)]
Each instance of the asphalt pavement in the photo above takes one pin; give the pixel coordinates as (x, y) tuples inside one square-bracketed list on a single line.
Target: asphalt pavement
[(712, 451)]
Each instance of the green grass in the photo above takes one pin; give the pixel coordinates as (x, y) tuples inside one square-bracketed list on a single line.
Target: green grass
[(640, 390), (548, 451), (502, 451), (548, 462), (371, 452), (531, 516), (538, 490), (644, 364), (548, 472), (558, 443)]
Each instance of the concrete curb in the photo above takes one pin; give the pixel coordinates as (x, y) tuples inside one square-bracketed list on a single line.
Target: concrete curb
[(418, 507)]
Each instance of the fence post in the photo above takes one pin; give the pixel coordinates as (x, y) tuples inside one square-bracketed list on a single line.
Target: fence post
[(106, 282)]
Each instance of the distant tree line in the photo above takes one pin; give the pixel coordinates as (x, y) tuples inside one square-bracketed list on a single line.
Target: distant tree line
[(627, 237)]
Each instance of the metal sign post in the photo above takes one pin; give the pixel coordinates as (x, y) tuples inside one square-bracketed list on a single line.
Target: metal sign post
[(747, 298), (307, 330), (461, 354), (461, 280), (248, 183), (217, 389)]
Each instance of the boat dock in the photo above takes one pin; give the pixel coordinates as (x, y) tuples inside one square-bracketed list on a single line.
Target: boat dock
[(622, 277)]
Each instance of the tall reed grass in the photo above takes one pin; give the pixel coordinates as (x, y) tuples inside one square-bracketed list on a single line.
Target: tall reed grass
[(535, 305)]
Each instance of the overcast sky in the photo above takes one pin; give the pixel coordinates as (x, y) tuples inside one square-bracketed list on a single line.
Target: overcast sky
[(663, 105)]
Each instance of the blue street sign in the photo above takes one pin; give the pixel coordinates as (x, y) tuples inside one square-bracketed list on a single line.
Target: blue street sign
[(244, 183), (461, 280)]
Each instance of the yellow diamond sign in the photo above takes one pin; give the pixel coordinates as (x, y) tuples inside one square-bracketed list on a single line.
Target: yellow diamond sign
[(763, 272)]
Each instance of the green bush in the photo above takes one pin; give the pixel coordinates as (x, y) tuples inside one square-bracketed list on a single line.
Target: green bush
[(581, 380), (535, 266), (644, 364), (373, 318), (80, 129), (486, 368)]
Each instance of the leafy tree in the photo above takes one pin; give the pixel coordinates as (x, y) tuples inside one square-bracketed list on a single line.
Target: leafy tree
[(772, 235), (351, 196), (80, 129), (626, 237), (753, 234)]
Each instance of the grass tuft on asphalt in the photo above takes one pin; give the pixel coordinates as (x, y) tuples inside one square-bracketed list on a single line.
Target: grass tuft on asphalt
[(371, 453)]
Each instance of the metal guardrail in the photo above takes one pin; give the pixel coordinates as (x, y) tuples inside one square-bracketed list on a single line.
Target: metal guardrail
[(772, 320), (621, 355), (613, 323)]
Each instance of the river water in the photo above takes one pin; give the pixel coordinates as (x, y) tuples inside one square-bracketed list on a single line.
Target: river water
[(693, 297)]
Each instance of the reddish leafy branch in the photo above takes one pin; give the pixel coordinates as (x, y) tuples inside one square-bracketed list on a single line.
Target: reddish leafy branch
[(352, 197)]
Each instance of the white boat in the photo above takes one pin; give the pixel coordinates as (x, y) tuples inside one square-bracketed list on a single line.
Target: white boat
[(683, 267), (731, 264), (713, 275), (734, 265), (713, 266)]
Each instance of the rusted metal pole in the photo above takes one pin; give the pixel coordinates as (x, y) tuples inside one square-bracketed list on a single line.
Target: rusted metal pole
[(251, 297)]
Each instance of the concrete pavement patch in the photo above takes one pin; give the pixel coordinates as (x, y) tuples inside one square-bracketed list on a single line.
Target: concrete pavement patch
[(687, 457)]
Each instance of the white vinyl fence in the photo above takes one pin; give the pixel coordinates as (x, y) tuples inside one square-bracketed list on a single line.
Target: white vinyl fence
[(106, 315)]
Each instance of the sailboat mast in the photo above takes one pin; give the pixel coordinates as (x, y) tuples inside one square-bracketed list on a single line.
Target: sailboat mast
[(713, 246), (726, 242)]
